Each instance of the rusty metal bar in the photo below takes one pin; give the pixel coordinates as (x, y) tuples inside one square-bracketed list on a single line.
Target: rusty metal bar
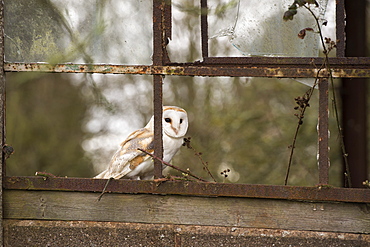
[(168, 20), (204, 27), (298, 62), (158, 143), (341, 68), (159, 57), (2, 117), (340, 18), (318, 193), (158, 31), (284, 62), (323, 131)]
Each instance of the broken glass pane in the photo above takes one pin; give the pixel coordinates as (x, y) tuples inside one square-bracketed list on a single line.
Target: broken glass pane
[(257, 28), (89, 31)]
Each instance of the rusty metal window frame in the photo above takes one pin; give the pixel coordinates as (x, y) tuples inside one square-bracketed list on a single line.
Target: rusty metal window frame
[(278, 67)]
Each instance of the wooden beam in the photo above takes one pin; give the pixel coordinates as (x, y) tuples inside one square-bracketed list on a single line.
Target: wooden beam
[(188, 210)]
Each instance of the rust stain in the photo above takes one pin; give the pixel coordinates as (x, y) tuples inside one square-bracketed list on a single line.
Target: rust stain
[(269, 69), (192, 188)]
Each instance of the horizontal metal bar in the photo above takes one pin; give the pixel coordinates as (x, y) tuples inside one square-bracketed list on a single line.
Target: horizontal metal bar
[(286, 68), (324, 193), (297, 61)]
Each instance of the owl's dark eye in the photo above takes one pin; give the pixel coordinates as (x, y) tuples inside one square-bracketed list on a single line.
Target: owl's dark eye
[(168, 120), (181, 121)]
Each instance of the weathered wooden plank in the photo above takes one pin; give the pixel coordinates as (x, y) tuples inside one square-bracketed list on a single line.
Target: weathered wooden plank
[(140, 208)]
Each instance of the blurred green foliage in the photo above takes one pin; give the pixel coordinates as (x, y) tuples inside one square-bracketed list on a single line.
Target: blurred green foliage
[(43, 123), (246, 125), (241, 124)]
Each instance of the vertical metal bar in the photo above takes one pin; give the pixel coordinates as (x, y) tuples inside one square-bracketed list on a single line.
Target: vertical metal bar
[(340, 27), (158, 31), (168, 19), (323, 131), (2, 116), (167, 29), (158, 59), (158, 143), (204, 27)]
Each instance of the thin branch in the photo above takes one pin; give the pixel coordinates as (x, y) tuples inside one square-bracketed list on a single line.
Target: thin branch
[(341, 136), (199, 155), (327, 65), (319, 28), (105, 187), (205, 165), (289, 16), (300, 122), (172, 166), (45, 174)]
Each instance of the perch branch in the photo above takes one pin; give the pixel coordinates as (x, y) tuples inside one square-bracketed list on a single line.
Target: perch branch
[(172, 166)]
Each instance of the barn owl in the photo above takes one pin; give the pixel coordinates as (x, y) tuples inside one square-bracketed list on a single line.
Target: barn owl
[(129, 162)]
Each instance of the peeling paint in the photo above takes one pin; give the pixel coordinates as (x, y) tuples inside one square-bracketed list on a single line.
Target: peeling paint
[(284, 70)]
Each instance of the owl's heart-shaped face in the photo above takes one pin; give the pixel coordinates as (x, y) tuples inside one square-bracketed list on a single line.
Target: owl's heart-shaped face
[(175, 121)]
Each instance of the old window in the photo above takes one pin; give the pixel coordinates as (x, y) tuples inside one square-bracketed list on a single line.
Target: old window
[(105, 43)]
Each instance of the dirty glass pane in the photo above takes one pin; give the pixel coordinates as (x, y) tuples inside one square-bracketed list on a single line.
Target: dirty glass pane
[(257, 28), (69, 124), (73, 126), (89, 31), (185, 43)]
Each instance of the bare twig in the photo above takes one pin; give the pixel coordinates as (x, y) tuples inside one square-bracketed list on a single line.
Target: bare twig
[(199, 155), (303, 103), (331, 44), (163, 162), (340, 130), (326, 51), (45, 174), (172, 166), (105, 187)]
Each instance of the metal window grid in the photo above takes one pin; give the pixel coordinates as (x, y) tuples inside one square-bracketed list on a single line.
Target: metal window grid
[(278, 67)]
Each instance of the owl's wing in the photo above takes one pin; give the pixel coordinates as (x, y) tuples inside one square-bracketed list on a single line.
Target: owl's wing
[(128, 157)]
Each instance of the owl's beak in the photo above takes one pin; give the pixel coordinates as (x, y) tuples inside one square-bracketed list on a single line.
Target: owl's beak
[(175, 128)]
